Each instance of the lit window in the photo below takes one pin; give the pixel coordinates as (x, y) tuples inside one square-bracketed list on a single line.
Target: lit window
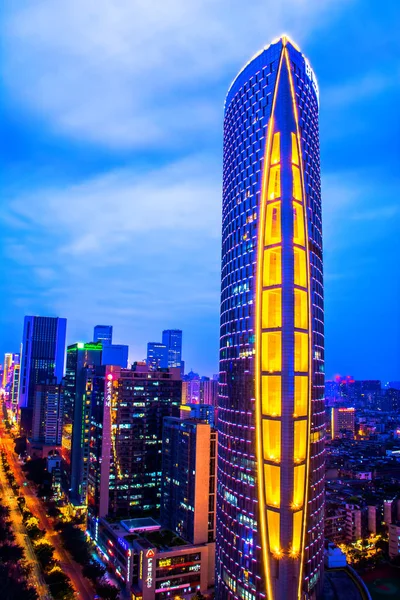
[(271, 351), (300, 351), (300, 395), (272, 482), (297, 523), (272, 440), (300, 309), (272, 267), (272, 308), (295, 150), (273, 522), (298, 487), (298, 224), (300, 440), (276, 154), (271, 395), (297, 195), (273, 224), (300, 267), (274, 183)]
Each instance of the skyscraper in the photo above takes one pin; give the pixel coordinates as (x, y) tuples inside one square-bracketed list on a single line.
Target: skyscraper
[(270, 498), (157, 356), (172, 338), (43, 349), (48, 413), (103, 334)]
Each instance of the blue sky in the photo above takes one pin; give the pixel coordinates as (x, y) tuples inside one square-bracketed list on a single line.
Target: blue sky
[(111, 153)]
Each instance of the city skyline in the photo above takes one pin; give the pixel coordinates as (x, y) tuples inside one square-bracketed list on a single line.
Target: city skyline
[(57, 156)]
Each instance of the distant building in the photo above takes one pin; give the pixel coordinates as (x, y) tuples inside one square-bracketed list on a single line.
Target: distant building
[(189, 479), (394, 539), (103, 334), (157, 356), (115, 354), (6, 366), (391, 400), (202, 412), (126, 440), (353, 523), (43, 348), (372, 525), (47, 418), (343, 420), (172, 339)]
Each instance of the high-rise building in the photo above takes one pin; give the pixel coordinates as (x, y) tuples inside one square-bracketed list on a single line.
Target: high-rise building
[(270, 500), (343, 420), (48, 413), (6, 366), (188, 486), (42, 359), (115, 354), (103, 334), (204, 412), (126, 440), (172, 338), (157, 356), (80, 358)]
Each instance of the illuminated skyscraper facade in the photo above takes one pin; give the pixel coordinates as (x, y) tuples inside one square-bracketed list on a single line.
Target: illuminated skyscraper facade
[(270, 498)]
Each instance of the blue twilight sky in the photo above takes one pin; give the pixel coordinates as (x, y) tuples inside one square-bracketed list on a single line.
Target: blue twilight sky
[(111, 152)]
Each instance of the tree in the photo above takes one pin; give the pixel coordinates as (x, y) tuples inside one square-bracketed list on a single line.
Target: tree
[(106, 590), (93, 570), (11, 553), (45, 553), (60, 585)]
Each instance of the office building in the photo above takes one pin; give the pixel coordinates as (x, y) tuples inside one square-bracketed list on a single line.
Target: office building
[(115, 354), (157, 356), (270, 499), (172, 339), (209, 391), (48, 413), (42, 359), (6, 366), (103, 334), (203, 412), (188, 487), (80, 357), (343, 422), (125, 454)]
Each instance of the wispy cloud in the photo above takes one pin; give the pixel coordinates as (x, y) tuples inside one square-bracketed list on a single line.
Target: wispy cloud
[(137, 73)]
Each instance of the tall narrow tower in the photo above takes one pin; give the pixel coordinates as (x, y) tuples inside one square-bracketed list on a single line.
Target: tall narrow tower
[(270, 498)]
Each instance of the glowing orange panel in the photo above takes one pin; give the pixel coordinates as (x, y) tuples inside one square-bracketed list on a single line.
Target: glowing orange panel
[(271, 395), (295, 150), (300, 352), (272, 440), (299, 486), (300, 309), (298, 224), (297, 195), (300, 440), (272, 475), (273, 524), (274, 182), (272, 308), (300, 395), (276, 149), (271, 351), (300, 267), (273, 224), (272, 273), (297, 522)]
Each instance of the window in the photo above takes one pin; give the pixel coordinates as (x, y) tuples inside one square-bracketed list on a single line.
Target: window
[(300, 309), (272, 484), (300, 395), (297, 195), (300, 440), (271, 395), (300, 267), (300, 351), (298, 224), (275, 154), (272, 267), (271, 351), (273, 224), (298, 487), (274, 183), (272, 308), (272, 440), (297, 523), (295, 150), (273, 523)]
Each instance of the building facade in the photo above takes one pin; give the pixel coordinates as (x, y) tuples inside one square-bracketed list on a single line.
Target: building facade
[(48, 413), (343, 421), (115, 354), (188, 486), (157, 356), (270, 498), (172, 339), (42, 359), (125, 458), (103, 334)]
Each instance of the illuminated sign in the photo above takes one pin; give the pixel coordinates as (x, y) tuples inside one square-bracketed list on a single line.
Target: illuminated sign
[(150, 554), (109, 390)]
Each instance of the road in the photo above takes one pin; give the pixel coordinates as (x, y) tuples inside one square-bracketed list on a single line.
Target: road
[(82, 586)]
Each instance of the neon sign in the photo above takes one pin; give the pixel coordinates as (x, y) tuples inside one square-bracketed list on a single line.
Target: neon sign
[(150, 567)]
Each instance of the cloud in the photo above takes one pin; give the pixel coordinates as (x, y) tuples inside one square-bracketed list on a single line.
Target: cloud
[(136, 73)]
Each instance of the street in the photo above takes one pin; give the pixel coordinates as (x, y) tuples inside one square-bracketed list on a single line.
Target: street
[(82, 586)]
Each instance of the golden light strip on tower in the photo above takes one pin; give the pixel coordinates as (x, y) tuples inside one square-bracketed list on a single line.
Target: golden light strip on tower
[(309, 374), (258, 327)]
